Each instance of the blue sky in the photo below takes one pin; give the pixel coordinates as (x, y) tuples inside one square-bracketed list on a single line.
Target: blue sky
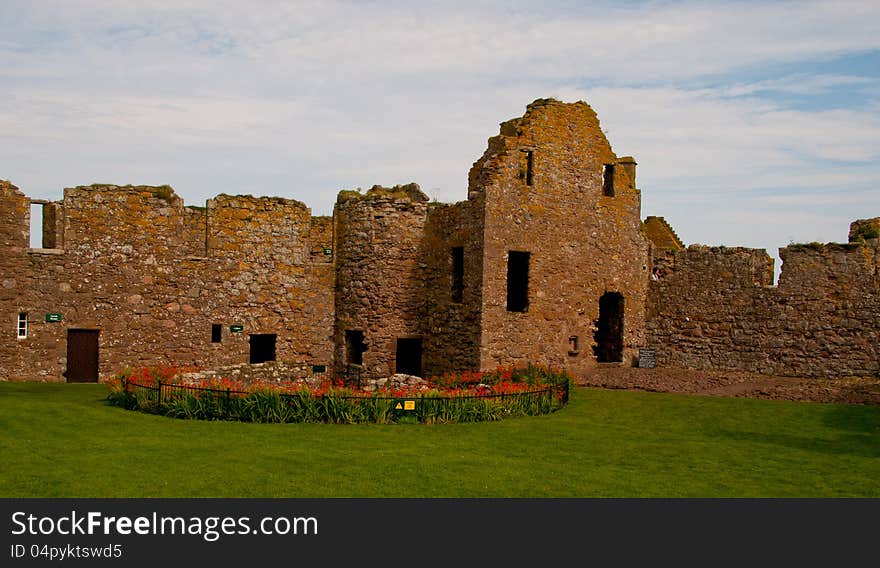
[(753, 123)]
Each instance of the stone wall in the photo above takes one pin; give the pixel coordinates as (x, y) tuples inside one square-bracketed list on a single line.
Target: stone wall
[(452, 321), (540, 185), (864, 230), (716, 309), (153, 276)]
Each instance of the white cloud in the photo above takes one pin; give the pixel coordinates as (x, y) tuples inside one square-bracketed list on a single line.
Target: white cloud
[(305, 99)]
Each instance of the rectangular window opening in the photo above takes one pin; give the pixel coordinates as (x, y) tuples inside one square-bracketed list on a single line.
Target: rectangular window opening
[(36, 227), (608, 180), (262, 347), (573, 345), (457, 274), (517, 281), (22, 325), (216, 333), (42, 226)]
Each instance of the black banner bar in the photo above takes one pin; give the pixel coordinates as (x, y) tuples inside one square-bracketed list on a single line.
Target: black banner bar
[(408, 532)]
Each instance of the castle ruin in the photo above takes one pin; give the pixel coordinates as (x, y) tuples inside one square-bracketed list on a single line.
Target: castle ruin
[(547, 261)]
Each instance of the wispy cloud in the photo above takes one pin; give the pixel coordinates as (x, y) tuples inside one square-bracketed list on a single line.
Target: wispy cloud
[(303, 99)]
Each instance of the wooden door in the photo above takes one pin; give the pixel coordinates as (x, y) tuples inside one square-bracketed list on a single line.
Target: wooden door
[(82, 356)]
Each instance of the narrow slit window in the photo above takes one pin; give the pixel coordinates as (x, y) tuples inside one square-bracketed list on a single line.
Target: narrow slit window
[(608, 180), (573, 345), (216, 333), (457, 274), (22, 325), (517, 281), (527, 166), (530, 167)]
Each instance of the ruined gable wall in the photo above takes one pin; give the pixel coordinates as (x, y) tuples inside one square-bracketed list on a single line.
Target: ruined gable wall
[(452, 329), (715, 309), (128, 268), (581, 243), (379, 280)]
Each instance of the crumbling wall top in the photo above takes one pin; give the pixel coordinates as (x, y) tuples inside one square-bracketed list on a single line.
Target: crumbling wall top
[(164, 192), (863, 230), (726, 266), (269, 202), (410, 191), (7, 187)]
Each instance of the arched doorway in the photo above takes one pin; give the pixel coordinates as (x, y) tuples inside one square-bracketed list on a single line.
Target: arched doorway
[(609, 328)]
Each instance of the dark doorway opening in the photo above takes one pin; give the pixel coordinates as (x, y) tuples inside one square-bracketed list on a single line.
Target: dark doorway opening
[(82, 356), (609, 332), (354, 347), (216, 333), (409, 356), (262, 347), (517, 281)]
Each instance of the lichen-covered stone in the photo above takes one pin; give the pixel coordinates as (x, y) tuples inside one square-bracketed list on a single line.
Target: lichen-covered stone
[(155, 276), (715, 308)]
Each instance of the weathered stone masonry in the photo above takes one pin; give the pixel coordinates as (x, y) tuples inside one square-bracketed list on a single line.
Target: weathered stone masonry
[(547, 262), (716, 308), (153, 276), (539, 192)]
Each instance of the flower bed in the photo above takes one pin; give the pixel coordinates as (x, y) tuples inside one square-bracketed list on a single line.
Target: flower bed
[(464, 397)]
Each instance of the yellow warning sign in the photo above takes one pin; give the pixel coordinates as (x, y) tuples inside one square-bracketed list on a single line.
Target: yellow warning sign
[(398, 407), (409, 405)]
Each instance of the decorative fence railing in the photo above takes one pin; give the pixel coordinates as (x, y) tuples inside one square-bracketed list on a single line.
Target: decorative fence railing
[(435, 405)]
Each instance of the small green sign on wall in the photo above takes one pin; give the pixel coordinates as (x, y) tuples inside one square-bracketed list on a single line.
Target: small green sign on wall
[(51, 318), (236, 328)]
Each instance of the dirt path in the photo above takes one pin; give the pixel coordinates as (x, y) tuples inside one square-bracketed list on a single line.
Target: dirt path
[(850, 390)]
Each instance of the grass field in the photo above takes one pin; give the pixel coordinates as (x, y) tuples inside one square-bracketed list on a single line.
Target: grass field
[(65, 441)]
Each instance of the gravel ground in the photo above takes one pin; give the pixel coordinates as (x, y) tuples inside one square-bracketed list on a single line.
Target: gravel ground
[(849, 390)]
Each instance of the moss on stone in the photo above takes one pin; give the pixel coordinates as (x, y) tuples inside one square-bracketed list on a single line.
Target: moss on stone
[(820, 247), (164, 192), (410, 191), (865, 232)]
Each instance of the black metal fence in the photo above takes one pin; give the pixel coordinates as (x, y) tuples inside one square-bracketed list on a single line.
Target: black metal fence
[(162, 393), (169, 391)]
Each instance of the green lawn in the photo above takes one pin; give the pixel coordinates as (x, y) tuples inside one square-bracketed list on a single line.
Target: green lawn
[(65, 441)]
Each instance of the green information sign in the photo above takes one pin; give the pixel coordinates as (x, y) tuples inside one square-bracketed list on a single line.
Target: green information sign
[(236, 328), (328, 251), (53, 317)]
